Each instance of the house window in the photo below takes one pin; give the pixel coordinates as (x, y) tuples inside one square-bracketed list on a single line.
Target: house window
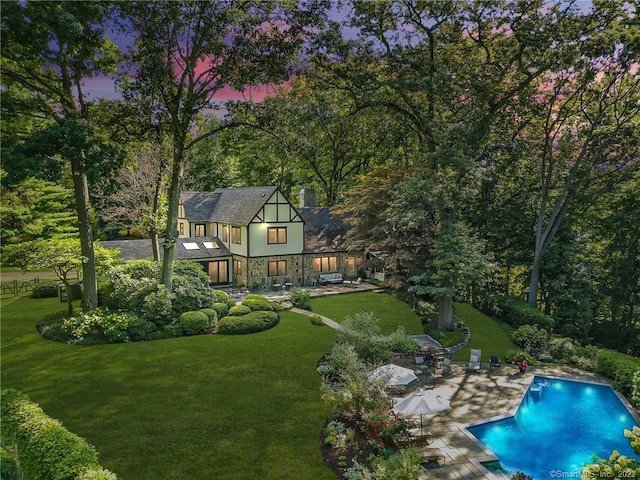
[(277, 268), (236, 235), (225, 233), (200, 230), (276, 235), (237, 268), (181, 228), (219, 271), (325, 264)]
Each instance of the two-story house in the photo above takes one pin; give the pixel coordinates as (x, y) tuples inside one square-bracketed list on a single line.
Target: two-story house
[(255, 237)]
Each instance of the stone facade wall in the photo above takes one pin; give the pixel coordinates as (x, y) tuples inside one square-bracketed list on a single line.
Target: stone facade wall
[(257, 271), (299, 269), (341, 264)]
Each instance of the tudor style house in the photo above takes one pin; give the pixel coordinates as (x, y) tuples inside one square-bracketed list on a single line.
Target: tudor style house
[(255, 237)]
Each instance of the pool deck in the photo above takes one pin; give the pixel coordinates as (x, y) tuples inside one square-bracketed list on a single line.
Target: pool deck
[(476, 398)]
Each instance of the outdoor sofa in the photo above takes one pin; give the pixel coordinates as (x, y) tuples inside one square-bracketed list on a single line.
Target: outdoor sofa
[(331, 278)]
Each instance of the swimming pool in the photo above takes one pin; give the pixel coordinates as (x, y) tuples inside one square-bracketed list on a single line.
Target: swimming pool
[(558, 427)]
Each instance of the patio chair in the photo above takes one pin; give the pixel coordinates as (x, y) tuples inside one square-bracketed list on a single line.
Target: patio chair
[(444, 368), (494, 362), (353, 283), (433, 454), (474, 361)]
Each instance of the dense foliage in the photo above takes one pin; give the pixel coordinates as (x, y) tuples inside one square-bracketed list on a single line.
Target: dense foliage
[(44, 449)]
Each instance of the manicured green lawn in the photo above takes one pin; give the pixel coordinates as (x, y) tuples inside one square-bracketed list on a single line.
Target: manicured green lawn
[(204, 407), (487, 334), (391, 311)]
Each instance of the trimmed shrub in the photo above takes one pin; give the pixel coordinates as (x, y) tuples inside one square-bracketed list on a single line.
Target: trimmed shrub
[(211, 314), (222, 309), (316, 320), (46, 450), (220, 296), (193, 323), (7, 464), (239, 310), (620, 368), (45, 290), (251, 323), (517, 312), (258, 305)]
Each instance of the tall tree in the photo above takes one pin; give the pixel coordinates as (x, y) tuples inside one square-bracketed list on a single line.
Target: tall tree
[(450, 72), (51, 49), (185, 52)]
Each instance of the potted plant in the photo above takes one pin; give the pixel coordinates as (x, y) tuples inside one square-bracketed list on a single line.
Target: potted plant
[(520, 361)]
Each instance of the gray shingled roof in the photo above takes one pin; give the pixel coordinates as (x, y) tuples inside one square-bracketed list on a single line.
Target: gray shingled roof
[(236, 206), (141, 249), (323, 231)]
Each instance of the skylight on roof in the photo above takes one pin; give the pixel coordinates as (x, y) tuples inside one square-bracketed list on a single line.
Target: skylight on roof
[(210, 245), (191, 246)]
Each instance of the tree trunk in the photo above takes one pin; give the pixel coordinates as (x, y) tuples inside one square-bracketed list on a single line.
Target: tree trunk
[(534, 280), (445, 313), (81, 191), (171, 235)]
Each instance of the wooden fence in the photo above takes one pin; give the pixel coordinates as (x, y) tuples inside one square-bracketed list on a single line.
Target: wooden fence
[(16, 287)]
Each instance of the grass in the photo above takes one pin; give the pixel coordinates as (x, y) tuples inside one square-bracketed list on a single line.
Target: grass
[(391, 311), (487, 334), (202, 407)]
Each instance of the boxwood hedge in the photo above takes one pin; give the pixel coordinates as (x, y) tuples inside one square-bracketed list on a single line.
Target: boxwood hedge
[(239, 310), (251, 323), (194, 322), (45, 449)]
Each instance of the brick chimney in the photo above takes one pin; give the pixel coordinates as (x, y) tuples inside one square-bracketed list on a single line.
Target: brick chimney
[(307, 197)]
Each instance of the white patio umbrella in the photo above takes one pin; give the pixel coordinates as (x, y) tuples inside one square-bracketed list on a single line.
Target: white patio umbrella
[(422, 403), (397, 375)]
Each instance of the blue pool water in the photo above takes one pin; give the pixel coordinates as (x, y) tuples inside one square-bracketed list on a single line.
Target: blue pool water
[(558, 429)]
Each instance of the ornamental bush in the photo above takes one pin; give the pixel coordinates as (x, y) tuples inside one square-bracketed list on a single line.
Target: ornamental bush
[(250, 323), (45, 449), (259, 304), (531, 338), (363, 332), (400, 342), (220, 296), (239, 310), (212, 315), (45, 290), (222, 309), (157, 306), (193, 323), (300, 297)]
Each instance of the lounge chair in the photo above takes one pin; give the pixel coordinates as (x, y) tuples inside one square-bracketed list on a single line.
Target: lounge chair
[(474, 361), (494, 362), (433, 454), (353, 283)]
